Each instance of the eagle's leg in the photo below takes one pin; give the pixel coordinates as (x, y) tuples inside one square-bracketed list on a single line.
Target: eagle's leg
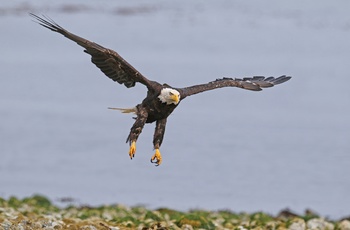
[(157, 141), (136, 130)]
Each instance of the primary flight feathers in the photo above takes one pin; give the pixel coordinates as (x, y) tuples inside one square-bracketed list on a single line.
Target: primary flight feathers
[(107, 60)]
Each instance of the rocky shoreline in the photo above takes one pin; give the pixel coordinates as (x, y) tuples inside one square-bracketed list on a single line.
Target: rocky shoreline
[(38, 212)]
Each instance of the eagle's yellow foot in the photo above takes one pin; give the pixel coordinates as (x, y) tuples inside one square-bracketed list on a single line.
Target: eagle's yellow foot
[(132, 149), (157, 158)]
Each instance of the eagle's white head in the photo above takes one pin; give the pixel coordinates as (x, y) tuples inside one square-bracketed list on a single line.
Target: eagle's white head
[(169, 96)]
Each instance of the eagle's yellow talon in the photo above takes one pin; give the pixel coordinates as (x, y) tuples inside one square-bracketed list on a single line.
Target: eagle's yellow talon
[(157, 158), (132, 149)]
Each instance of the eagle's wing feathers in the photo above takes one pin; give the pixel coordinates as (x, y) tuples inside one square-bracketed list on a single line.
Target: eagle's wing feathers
[(107, 60), (250, 83)]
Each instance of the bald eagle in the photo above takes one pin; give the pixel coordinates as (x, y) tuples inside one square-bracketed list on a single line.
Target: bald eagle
[(161, 99)]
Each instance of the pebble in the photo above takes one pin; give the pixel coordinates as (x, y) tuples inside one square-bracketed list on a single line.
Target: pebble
[(319, 224)]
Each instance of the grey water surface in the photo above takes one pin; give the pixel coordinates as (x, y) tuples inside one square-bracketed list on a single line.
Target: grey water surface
[(286, 146)]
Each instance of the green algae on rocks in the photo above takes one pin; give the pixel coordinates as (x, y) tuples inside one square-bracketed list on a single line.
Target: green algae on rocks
[(38, 212)]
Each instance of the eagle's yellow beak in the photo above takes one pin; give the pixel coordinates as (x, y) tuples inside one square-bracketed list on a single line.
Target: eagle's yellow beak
[(175, 98)]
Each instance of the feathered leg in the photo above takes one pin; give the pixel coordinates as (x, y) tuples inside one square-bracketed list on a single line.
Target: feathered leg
[(136, 129), (157, 141)]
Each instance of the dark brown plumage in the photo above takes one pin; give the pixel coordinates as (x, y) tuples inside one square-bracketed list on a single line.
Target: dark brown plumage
[(161, 99)]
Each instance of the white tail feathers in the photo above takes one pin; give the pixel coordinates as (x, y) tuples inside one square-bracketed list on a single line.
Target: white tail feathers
[(129, 110)]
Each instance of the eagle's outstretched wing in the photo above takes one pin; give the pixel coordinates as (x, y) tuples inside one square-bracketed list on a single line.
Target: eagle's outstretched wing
[(107, 60), (249, 83)]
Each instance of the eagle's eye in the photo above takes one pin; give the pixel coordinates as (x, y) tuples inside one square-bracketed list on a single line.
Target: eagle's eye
[(170, 93)]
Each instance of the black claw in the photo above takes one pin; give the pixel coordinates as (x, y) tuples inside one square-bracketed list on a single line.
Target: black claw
[(155, 162)]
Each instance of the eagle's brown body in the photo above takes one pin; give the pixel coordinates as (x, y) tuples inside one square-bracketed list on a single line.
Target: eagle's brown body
[(155, 108), (161, 99)]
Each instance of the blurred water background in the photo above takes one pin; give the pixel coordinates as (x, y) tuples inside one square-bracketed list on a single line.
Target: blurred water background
[(286, 146)]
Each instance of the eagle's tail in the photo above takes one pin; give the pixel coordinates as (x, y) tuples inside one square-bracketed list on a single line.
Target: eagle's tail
[(129, 110)]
